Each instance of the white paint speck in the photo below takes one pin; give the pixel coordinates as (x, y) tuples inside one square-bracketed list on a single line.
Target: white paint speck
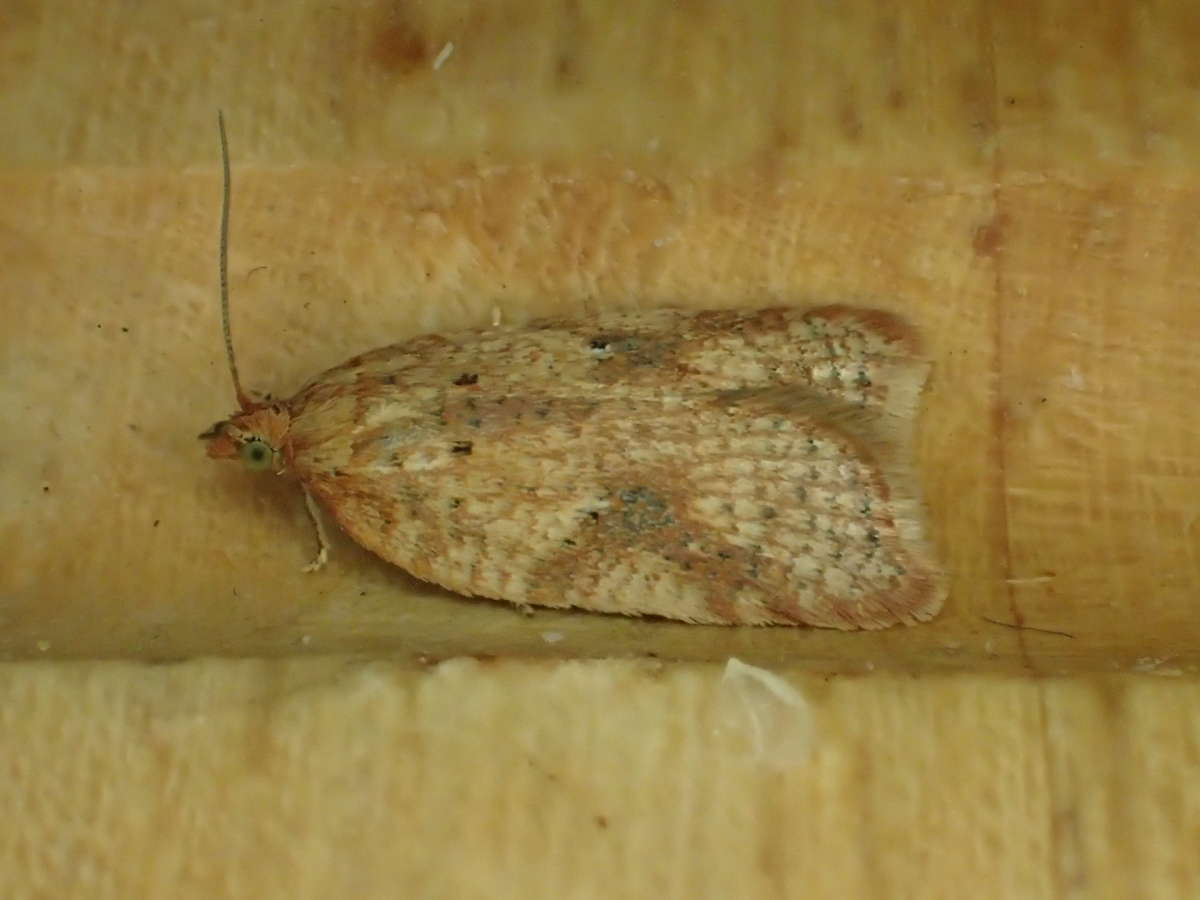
[(443, 55), (552, 637), (764, 711)]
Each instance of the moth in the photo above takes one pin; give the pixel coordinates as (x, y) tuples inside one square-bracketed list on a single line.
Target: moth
[(720, 466)]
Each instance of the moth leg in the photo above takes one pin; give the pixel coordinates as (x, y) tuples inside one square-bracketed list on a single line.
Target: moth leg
[(314, 513), (496, 315)]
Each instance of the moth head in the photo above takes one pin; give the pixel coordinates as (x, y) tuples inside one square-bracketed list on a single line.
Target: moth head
[(258, 437), (258, 434)]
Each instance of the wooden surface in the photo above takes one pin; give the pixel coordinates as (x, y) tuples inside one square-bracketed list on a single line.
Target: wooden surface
[(1040, 234), (321, 778), (1021, 181)]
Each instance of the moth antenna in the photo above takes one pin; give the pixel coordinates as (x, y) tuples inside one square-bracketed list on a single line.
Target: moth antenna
[(223, 264)]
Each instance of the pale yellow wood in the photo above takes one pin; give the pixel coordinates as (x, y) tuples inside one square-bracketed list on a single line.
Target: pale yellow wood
[(589, 779)]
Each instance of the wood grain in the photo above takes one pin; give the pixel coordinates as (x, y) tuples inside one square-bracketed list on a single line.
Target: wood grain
[(600, 779)]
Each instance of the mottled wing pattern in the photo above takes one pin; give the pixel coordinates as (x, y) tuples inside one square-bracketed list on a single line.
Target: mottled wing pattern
[(715, 467), (843, 351)]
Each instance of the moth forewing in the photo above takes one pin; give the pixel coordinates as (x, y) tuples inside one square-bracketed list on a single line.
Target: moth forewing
[(699, 485)]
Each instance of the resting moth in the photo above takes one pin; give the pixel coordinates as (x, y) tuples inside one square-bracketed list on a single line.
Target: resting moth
[(725, 467)]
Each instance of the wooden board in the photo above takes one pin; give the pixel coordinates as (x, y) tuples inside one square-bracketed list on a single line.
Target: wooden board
[(585, 779), (1022, 185)]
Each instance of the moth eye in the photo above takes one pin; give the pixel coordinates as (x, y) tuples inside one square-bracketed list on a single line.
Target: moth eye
[(257, 455)]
